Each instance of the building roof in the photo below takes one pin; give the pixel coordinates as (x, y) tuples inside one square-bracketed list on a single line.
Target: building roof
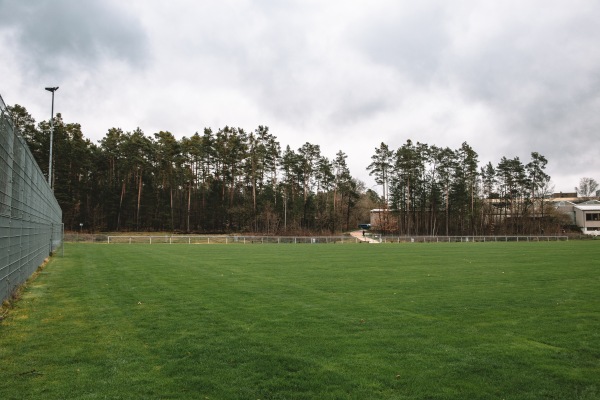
[(560, 203), (597, 202), (588, 207), (561, 195)]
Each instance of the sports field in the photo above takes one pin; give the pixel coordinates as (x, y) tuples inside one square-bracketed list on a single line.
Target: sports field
[(324, 321)]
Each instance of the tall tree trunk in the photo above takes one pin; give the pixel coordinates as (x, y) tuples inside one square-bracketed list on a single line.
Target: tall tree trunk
[(447, 208), (120, 205), (139, 198), (172, 217), (189, 207)]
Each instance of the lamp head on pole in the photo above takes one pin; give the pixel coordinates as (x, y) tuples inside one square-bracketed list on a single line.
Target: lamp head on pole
[(52, 89)]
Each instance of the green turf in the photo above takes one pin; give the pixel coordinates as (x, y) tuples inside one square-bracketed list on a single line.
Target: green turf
[(402, 321)]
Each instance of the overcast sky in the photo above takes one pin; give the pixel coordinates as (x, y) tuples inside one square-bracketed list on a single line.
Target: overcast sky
[(508, 77)]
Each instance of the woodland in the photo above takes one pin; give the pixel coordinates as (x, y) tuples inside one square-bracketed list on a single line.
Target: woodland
[(233, 180)]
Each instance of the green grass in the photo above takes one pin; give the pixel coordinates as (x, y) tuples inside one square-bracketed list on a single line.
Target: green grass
[(408, 321)]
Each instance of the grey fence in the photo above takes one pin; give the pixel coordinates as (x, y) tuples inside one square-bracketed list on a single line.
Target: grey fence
[(30, 217)]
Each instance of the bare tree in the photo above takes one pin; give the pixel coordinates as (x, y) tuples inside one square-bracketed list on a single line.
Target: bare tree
[(587, 187)]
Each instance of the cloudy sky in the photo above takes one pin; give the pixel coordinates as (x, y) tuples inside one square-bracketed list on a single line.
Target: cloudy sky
[(508, 77)]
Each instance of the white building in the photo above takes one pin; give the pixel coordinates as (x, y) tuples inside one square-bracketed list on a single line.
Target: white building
[(587, 217)]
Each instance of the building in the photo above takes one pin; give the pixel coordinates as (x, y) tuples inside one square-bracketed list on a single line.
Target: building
[(568, 208), (587, 217), (383, 220), (561, 195)]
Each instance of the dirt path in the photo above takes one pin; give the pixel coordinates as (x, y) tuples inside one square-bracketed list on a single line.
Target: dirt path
[(359, 236)]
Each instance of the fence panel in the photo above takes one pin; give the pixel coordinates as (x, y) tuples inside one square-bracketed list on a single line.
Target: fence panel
[(240, 239), (30, 217), (450, 239), (233, 239)]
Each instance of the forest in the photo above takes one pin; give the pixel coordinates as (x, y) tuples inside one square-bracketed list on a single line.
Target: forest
[(233, 180)]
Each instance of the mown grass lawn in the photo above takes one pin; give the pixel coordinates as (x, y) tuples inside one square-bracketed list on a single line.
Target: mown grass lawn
[(401, 321)]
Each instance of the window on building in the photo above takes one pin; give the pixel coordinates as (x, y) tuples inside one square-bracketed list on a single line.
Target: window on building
[(592, 217)]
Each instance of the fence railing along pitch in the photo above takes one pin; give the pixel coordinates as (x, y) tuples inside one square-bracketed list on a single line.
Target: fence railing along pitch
[(191, 239), (30, 217), (450, 239)]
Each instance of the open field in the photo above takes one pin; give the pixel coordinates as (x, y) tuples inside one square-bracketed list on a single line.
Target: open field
[(325, 321)]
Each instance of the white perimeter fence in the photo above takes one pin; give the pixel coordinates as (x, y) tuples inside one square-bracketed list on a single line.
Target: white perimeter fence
[(466, 239), (190, 239), (230, 239)]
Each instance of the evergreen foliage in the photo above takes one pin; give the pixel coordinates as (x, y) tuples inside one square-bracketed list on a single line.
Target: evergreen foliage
[(237, 181)]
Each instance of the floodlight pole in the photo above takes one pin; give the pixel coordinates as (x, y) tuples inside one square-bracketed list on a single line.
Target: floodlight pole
[(51, 89)]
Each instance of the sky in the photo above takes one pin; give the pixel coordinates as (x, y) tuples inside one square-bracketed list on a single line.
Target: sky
[(507, 77)]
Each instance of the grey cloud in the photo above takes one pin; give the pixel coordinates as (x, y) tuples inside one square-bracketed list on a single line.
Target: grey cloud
[(286, 60), (411, 41), (508, 77), (54, 34), (537, 68), (545, 91)]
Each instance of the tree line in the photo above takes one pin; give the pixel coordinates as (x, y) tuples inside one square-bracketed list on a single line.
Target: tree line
[(432, 190), (232, 180), (228, 180)]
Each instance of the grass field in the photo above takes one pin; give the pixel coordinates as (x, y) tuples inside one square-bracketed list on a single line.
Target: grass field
[(408, 321)]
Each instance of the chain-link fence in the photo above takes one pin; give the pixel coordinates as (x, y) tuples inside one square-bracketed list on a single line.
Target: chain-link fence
[(30, 217)]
